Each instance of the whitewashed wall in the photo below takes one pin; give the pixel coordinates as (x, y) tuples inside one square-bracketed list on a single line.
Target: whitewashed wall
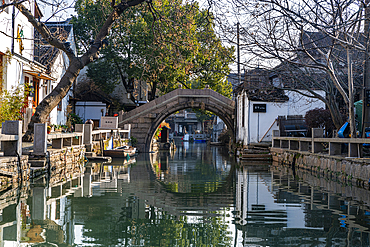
[(13, 72), (218, 127), (257, 124), (14, 69), (90, 110)]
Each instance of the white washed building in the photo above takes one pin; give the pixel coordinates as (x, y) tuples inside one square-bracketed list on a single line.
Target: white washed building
[(17, 65), (260, 104), (218, 127), (56, 62), (25, 61)]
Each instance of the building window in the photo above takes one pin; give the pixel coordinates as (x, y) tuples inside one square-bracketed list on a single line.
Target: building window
[(46, 88), (60, 106), (36, 96)]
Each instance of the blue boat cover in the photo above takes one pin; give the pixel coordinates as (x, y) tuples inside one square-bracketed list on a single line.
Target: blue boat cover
[(344, 131)]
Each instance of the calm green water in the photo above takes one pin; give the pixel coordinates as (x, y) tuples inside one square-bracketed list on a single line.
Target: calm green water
[(196, 196)]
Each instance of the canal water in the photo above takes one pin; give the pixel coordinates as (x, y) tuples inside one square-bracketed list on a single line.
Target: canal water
[(196, 196)]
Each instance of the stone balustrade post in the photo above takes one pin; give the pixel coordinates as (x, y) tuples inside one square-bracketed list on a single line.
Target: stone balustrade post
[(276, 143), (80, 128), (40, 139), (317, 147), (317, 132), (88, 128), (39, 203), (12, 148), (276, 133)]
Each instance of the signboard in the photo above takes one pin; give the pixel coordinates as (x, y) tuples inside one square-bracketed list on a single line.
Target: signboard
[(259, 107), (109, 122)]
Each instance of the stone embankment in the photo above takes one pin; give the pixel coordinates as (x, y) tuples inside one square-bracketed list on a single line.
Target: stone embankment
[(11, 173), (355, 171), (336, 158), (326, 185)]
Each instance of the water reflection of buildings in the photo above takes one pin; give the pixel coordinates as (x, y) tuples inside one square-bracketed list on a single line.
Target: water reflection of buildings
[(40, 213), (111, 203), (187, 156), (190, 166), (66, 213), (273, 209)]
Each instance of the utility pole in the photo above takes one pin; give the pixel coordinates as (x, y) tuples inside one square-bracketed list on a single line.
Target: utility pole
[(238, 52), (366, 73), (236, 119)]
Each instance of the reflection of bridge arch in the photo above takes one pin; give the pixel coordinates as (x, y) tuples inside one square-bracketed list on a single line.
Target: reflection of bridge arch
[(145, 119), (220, 185), (149, 189)]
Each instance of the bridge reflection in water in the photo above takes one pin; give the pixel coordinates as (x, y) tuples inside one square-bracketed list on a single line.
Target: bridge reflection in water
[(191, 197)]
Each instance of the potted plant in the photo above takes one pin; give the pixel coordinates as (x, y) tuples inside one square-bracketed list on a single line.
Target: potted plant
[(65, 128), (48, 129), (57, 128)]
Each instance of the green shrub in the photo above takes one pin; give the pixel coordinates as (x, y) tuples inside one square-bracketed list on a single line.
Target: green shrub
[(133, 141), (12, 103), (74, 119)]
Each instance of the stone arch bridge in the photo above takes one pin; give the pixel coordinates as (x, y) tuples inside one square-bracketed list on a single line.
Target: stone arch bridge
[(145, 119)]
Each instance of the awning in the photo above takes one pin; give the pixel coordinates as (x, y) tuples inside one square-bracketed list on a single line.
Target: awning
[(38, 74)]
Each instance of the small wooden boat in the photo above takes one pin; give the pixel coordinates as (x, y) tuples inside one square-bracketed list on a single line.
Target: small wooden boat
[(119, 161), (256, 157), (216, 144), (120, 152)]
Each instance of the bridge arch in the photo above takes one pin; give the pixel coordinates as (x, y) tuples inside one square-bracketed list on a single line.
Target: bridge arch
[(145, 119)]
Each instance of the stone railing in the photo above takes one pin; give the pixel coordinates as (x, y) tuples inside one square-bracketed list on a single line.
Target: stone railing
[(62, 140), (104, 134), (83, 135), (11, 138), (58, 140), (318, 144)]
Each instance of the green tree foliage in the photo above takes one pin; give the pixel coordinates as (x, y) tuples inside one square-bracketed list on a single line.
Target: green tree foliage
[(167, 44), (11, 103)]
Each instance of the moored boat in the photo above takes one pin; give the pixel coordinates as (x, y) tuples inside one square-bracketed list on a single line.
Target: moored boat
[(120, 152)]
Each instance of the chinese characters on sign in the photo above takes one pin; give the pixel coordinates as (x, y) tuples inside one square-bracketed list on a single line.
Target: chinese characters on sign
[(259, 107), (109, 123)]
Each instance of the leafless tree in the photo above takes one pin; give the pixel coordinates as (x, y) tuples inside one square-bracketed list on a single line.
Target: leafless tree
[(318, 44)]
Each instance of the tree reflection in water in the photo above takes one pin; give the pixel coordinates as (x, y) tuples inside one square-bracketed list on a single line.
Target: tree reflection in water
[(180, 206), (194, 197)]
